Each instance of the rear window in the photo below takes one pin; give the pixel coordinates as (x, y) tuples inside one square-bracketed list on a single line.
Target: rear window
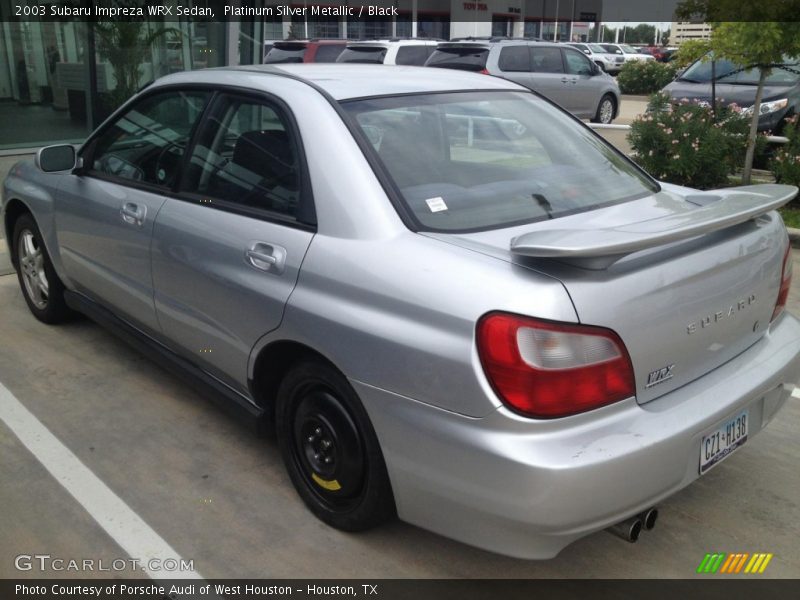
[(413, 55), (286, 54), (465, 59), (481, 160), (371, 55), (328, 53)]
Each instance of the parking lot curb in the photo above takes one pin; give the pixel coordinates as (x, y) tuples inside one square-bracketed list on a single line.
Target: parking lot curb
[(794, 236)]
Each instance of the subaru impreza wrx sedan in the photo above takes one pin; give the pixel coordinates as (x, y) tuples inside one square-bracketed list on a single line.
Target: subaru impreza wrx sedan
[(451, 299)]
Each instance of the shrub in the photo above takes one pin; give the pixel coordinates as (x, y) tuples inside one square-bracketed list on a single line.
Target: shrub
[(682, 144), (645, 77), (786, 163)]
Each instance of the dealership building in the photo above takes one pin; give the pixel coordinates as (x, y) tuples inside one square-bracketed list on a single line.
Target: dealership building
[(60, 77)]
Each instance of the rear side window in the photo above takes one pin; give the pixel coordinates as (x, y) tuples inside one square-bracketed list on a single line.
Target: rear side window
[(412, 55), (370, 55), (146, 144), (465, 59), (515, 58), (245, 155), (547, 60), (286, 54), (328, 53)]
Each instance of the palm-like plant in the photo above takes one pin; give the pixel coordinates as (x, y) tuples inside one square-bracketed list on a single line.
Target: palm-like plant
[(126, 45)]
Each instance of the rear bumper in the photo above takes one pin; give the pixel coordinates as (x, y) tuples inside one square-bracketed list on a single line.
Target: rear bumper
[(529, 488)]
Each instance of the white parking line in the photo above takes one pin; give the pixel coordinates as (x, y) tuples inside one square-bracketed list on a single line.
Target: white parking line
[(119, 521)]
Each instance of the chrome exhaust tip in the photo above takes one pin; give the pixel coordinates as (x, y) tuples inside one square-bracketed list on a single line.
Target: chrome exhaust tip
[(628, 529), (649, 518)]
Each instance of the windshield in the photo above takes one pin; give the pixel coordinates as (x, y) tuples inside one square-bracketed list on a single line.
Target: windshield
[(628, 49), (597, 48), (728, 72), (480, 160)]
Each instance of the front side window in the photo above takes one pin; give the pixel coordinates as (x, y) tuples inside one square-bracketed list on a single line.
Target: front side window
[(482, 160), (146, 144), (245, 155), (577, 63)]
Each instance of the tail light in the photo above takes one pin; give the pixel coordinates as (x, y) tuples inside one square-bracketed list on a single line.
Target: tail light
[(546, 369), (786, 283), (484, 72)]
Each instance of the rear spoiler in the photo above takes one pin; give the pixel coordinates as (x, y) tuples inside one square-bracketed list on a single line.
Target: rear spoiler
[(600, 248)]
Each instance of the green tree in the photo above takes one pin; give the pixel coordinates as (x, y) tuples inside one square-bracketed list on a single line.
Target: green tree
[(760, 37)]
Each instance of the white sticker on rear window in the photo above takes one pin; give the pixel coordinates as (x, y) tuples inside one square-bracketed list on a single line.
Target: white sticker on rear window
[(436, 204)]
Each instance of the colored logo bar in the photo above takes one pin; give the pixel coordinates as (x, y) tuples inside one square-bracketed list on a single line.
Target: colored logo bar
[(736, 562)]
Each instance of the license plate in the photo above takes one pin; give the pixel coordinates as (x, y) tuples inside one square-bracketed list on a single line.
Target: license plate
[(721, 443)]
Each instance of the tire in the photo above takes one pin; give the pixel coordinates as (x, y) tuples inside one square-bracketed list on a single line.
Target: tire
[(606, 110), (330, 449), (42, 289)]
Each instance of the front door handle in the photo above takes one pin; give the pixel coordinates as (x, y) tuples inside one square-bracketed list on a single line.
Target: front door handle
[(266, 257), (133, 214)]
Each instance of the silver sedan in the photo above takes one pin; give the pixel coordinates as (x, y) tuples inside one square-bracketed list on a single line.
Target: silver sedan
[(451, 300)]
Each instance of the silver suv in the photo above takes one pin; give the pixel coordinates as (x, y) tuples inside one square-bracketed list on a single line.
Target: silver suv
[(561, 73)]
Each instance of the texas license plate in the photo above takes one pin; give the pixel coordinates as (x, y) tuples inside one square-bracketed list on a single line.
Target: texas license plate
[(719, 444)]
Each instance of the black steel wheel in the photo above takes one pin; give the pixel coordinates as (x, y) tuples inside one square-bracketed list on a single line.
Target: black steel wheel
[(330, 449)]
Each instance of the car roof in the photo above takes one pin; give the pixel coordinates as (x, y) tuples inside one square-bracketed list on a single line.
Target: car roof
[(344, 81)]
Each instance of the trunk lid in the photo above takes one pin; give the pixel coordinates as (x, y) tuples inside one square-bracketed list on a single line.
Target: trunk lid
[(688, 280)]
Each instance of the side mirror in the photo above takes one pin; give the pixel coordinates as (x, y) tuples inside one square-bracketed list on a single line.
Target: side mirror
[(56, 158), (588, 52)]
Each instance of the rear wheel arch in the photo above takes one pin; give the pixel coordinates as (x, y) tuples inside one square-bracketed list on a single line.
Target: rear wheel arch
[(272, 364)]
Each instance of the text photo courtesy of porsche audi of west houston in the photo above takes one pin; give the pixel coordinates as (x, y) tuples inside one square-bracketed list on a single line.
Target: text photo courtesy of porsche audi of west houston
[(401, 298)]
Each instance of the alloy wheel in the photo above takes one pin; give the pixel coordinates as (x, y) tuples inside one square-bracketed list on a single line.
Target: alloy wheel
[(31, 264)]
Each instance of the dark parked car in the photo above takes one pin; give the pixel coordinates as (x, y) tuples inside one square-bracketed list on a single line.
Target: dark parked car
[(735, 84), (299, 51)]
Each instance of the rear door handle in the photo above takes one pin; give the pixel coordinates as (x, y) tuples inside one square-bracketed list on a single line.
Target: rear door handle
[(266, 257), (133, 214)]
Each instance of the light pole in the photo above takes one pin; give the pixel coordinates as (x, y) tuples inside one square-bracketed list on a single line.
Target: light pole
[(555, 27)]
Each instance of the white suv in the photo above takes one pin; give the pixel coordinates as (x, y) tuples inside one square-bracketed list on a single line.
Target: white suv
[(392, 51), (610, 63)]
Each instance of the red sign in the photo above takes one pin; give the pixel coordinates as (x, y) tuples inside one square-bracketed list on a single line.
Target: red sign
[(475, 6)]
